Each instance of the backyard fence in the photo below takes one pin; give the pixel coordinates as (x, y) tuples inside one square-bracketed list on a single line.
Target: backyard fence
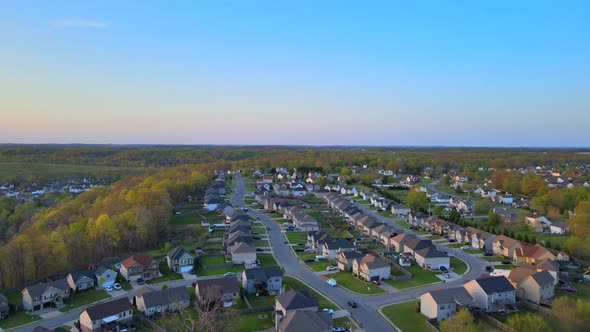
[(495, 322)]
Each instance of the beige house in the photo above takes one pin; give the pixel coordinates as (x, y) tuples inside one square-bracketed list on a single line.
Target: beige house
[(179, 260), (331, 248), (140, 266), (491, 293), (531, 254), (225, 289), (151, 302), (505, 246), (371, 268), (46, 295), (537, 287), (444, 303), (106, 316), (242, 253), (345, 259), (432, 258)]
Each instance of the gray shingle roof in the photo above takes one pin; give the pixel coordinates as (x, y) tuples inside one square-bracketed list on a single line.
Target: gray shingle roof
[(452, 295), (292, 300), (165, 296), (492, 285), (543, 278), (298, 321), (77, 275), (106, 309), (339, 244), (263, 273)]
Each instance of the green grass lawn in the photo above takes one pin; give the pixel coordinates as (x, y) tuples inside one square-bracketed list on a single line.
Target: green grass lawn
[(292, 283), (186, 219), (212, 260), (343, 322), (238, 268), (85, 297), (474, 251), (347, 280), (456, 245), (504, 266), (583, 291), (296, 237), (167, 275), (434, 237), (259, 301), (419, 231), (402, 223), (251, 322), (261, 243), (319, 265), (17, 319), (493, 258), (458, 265), (419, 277), (266, 260), (405, 316), (385, 214)]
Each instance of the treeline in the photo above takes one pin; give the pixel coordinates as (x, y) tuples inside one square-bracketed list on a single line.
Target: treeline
[(129, 216)]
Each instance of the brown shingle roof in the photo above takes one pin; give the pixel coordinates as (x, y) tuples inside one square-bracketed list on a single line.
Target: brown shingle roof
[(142, 259)]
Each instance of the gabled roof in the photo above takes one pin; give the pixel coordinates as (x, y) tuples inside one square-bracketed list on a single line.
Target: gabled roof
[(298, 321), (452, 295), (417, 244), (78, 275), (215, 288), (165, 296), (262, 273), (106, 309), (543, 278), (293, 300), (505, 241), (517, 275), (491, 285), (430, 252), (372, 262), (177, 253), (403, 238), (350, 254), (339, 244), (241, 248), (141, 259), (101, 269), (531, 251)]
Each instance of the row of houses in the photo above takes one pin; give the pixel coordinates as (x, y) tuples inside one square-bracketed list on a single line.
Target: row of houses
[(215, 192), (375, 200), (301, 220), (239, 240)]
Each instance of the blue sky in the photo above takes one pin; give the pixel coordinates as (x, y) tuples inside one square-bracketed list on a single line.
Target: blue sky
[(468, 73)]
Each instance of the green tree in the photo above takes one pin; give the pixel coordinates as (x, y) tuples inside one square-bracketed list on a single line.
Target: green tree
[(528, 322), (462, 321), (416, 200), (493, 218)]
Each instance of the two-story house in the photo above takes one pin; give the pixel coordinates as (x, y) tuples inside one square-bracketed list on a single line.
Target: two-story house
[(371, 268), (224, 289), (179, 260), (491, 293), (444, 303), (80, 280), (504, 246), (140, 266), (262, 280), (46, 295), (344, 259), (169, 299), (533, 286), (531, 254), (106, 316), (333, 247)]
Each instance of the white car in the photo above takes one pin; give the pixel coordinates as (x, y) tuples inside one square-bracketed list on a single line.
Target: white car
[(331, 268), (117, 286), (108, 288), (332, 282), (465, 247)]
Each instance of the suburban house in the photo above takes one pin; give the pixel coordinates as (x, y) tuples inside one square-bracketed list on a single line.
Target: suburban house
[(46, 295), (298, 321), (80, 280), (345, 259), (504, 246), (371, 268), (544, 265), (400, 209), (483, 240), (538, 222), (562, 256), (242, 253), (334, 246), (444, 303), (385, 237), (316, 240), (225, 289), (104, 276), (377, 231), (106, 316), (415, 244), (559, 227), (400, 240), (531, 254), (4, 309), (179, 260), (262, 280), (533, 286), (491, 293), (432, 258), (238, 236), (140, 266), (156, 302), (293, 300), (506, 215)]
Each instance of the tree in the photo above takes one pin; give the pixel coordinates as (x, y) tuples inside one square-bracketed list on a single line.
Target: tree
[(462, 321), (493, 218), (416, 200), (529, 322), (572, 314)]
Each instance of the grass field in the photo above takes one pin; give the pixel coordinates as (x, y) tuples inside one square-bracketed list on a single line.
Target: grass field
[(419, 277), (220, 270), (319, 265), (258, 301), (292, 283), (458, 266), (402, 223), (404, 316), (347, 280), (296, 237), (186, 219), (261, 243), (251, 322), (212, 260), (266, 260), (17, 319), (85, 297)]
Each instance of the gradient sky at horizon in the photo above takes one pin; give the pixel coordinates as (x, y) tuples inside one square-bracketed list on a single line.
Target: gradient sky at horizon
[(464, 73)]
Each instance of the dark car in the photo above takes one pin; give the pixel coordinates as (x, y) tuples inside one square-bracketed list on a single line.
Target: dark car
[(256, 238), (285, 242), (259, 249), (444, 269), (340, 329), (452, 240), (488, 253), (506, 262), (307, 260), (489, 268), (352, 304), (192, 271), (299, 250), (140, 281)]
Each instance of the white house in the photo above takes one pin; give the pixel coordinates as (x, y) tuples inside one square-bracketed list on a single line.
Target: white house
[(491, 293), (444, 303)]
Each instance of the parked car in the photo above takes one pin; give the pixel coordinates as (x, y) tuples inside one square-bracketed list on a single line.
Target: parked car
[(108, 288), (259, 249), (489, 268), (376, 282), (309, 260), (299, 250), (506, 262), (452, 240), (140, 281), (285, 242), (447, 275), (229, 274), (308, 249), (256, 238), (352, 304), (117, 286), (331, 268), (192, 271), (444, 269), (332, 282), (465, 247), (330, 311), (488, 253)]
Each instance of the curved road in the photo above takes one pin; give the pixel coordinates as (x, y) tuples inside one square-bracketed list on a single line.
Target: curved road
[(366, 311)]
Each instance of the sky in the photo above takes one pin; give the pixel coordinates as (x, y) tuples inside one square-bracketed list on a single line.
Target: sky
[(420, 73)]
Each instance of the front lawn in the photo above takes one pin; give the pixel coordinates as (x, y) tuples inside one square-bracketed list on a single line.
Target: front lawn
[(474, 251), (405, 316), (251, 322), (237, 268), (343, 322), (493, 258), (503, 266), (85, 297), (419, 277), (319, 265), (296, 237), (266, 260), (458, 265), (167, 275), (261, 243), (17, 319), (292, 283), (347, 280), (402, 223), (210, 260)]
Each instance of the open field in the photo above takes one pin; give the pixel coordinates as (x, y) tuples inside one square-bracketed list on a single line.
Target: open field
[(404, 316)]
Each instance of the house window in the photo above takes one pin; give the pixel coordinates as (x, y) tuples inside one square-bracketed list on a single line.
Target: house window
[(442, 307)]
